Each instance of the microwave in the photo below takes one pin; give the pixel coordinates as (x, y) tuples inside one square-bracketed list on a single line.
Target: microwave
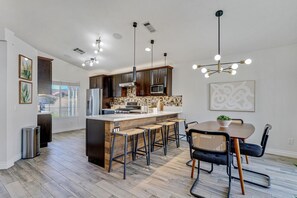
[(157, 89)]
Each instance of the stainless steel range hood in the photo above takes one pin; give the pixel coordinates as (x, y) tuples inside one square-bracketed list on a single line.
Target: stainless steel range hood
[(132, 84)]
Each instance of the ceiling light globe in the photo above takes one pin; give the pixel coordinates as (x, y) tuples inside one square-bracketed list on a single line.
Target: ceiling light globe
[(147, 49), (101, 50), (206, 75), (233, 72), (83, 64), (91, 64), (234, 66), (217, 57), (96, 51), (97, 62), (248, 61), (94, 44), (195, 66), (203, 70)]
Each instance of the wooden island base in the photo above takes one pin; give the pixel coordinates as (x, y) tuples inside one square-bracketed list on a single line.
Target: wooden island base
[(98, 137)]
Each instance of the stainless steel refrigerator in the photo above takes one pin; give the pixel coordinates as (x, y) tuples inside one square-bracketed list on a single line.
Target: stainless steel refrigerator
[(94, 102)]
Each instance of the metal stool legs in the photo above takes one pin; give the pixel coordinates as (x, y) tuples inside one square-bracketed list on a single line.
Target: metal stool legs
[(154, 143)]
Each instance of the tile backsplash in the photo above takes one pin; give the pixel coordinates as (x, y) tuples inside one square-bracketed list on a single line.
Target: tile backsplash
[(147, 100)]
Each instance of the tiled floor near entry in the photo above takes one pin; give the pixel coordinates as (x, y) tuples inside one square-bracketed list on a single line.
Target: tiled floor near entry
[(62, 170)]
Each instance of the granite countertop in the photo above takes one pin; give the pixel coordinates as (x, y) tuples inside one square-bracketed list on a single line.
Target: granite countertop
[(123, 117)]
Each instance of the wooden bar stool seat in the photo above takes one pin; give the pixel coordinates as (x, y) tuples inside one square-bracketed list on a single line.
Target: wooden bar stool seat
[(151, 128), (128, 133)]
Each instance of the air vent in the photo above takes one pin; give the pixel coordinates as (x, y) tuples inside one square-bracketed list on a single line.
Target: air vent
[(149, 27), (80, 51)]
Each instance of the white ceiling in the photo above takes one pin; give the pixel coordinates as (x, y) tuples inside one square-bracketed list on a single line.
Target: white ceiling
[(186, 29)]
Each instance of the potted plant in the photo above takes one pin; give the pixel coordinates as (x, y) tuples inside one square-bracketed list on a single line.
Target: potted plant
[(224, 121)]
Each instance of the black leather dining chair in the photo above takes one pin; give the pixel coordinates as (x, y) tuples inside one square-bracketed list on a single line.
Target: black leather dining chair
[(189, 163), (211, 147), (255, 150)]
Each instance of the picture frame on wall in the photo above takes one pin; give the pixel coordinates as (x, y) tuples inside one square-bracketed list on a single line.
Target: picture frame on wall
[(25, 92), (232, 96), (25, 67)]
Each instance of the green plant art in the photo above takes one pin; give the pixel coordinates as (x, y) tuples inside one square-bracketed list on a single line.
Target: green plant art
[(25, 68), (25, 92), (223, 118)]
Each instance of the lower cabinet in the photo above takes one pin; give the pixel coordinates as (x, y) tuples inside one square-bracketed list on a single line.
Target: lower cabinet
[(45, 123)]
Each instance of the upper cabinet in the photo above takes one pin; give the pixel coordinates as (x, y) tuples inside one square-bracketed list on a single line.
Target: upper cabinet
[(144, 80), (44, 75), (143, 83), (127, 77)]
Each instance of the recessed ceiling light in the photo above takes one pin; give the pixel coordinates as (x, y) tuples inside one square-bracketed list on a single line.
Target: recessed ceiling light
[(147, 49), (117, 36)]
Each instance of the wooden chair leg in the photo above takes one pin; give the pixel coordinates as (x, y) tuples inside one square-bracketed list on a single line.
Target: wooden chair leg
[(193, 168)]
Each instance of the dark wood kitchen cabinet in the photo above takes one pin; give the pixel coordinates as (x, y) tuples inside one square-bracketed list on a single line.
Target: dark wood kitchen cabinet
[(127, 77), (97, 82), (44, 75), (159, 76), (143, 83), (45, 123), (116, 89)]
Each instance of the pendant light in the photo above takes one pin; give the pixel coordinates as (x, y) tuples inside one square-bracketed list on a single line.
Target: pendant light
[(132, 84), (152, 61), (165, 76), (227, 67)]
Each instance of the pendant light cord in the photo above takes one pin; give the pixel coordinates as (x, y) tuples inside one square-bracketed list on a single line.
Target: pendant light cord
[(152, 54), (134, 44), (219, 35)]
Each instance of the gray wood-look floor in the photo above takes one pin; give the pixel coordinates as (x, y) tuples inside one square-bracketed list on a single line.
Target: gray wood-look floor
[(62, 170)]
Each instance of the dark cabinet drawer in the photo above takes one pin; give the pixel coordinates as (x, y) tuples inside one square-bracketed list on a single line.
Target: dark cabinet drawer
[(45, 123)]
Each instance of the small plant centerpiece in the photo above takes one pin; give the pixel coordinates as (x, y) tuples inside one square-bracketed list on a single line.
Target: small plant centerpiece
[(224, 121)]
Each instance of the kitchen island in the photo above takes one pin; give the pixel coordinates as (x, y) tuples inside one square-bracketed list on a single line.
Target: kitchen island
[(100, 127)]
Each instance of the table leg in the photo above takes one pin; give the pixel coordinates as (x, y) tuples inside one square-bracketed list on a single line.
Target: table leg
[(237, 151)]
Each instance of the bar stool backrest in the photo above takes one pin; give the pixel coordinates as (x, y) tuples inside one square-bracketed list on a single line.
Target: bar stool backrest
[(237, 121)]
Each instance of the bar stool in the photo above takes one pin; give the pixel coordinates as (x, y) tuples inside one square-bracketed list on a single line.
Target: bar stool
[(149, 129), (166, 126), (127, 133), (176, 128)]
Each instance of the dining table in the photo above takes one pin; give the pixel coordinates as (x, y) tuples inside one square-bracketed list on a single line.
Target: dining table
[(236, 131)]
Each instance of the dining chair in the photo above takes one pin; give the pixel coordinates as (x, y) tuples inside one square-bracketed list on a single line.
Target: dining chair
[(255, 150), (211, 147), (189, 163)]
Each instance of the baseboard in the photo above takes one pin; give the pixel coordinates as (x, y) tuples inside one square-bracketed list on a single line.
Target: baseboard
[(281, 152), (10, 163)]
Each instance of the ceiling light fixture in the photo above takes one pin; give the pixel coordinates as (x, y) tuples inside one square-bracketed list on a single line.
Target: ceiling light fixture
[(147, 49), (90, 62), (228, 67)]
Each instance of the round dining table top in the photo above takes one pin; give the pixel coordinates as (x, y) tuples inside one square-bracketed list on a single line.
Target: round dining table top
[(241, 131)]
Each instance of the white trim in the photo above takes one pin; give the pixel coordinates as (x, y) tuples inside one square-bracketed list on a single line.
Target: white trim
[(10, 163), (282, 153)]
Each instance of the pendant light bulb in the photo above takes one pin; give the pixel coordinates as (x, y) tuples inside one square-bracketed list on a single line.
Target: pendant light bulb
[(96, 51), (101, 50), (217, 57), (83, 64), (91, 64), (233, 72), (195, 66), (234, 66), (206, 75), (248, 61), (203, 70), (94, 44), (97, 62)]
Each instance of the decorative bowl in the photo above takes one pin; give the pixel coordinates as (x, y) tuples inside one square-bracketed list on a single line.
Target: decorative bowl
[(224, 123)]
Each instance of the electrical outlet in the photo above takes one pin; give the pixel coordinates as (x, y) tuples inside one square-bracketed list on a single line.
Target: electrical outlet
[(291, 141)]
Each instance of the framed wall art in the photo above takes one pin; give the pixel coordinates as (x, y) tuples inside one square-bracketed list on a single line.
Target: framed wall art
[(25, 68), (232, 96), (25, 92)]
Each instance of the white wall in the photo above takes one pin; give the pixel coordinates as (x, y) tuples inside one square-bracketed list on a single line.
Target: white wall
[(65, 72), (274, 71), (17, 115)]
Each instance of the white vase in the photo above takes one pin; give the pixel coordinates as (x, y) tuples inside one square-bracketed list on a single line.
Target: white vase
[(224, 123)]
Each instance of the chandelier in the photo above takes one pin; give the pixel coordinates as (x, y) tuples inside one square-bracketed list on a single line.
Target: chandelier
[(220, 67), (93, 60)]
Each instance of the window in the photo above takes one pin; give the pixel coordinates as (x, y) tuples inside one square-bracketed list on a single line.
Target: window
[(64, 101)]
